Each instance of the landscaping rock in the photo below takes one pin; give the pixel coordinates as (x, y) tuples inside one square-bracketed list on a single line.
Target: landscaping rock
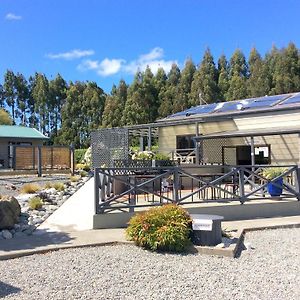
[(6, 234), (10, 211)]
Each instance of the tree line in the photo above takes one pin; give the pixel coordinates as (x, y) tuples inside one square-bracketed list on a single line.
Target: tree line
[(68, 112)]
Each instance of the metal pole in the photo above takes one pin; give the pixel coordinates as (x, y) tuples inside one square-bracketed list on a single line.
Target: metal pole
[(242, 185), (149, 139), (96, 190), (39, 161), (197, 145), (72, 157), (141, 143), (252, 159)]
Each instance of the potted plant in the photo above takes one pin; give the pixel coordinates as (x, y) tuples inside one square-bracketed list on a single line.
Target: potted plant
[(274, 188)]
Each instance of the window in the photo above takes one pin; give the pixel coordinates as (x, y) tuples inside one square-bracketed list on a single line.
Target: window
[(185, 142)]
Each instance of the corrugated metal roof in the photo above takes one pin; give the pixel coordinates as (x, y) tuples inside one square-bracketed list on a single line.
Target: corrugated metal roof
[(14, 131)]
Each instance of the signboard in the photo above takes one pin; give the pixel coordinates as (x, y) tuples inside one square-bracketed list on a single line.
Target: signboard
[(202, 224)]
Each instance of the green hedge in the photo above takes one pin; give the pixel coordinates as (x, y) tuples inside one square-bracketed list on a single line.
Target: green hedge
[(79, 155)]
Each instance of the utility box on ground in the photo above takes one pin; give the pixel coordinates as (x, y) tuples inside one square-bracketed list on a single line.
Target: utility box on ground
[(206, 229)]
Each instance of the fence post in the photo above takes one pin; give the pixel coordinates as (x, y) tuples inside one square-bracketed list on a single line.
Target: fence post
[(39, 161), (72, 154), (14, 161), (175, 184), (242, 185), (297, 183), (96, 190)]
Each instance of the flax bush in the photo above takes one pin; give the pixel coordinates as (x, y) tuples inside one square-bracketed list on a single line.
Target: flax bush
[(165, 228)]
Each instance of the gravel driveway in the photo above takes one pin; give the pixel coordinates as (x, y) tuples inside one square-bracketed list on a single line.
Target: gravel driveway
[(269, 271)]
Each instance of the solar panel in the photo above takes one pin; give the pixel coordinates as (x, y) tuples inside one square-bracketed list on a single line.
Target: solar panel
[(292, 100), (203, 109), (267, 101)]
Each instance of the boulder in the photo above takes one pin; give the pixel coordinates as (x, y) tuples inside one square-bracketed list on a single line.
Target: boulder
[(10, 211)]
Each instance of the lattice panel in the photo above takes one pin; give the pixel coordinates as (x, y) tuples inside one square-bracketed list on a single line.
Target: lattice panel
[(229, 156), (109, 144), (212, 150)]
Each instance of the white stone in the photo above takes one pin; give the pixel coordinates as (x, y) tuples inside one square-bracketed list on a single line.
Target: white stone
[(25, 197), (50, 191), (248, 246)]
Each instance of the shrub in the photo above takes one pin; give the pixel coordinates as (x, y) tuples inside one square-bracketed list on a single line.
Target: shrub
[(35, 203), (161, 156), (30, 188), (44, 196), (165, 228), (143, 155), (84, 167), (74, 178), (83, 174), (79, 155), (273, 172), (48, 185), (59, 186)]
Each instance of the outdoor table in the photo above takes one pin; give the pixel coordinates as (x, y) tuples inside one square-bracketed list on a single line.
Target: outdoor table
[(206, 229), (206, 177)]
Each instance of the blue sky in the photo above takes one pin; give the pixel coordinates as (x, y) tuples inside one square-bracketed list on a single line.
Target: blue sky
[(105, 41)]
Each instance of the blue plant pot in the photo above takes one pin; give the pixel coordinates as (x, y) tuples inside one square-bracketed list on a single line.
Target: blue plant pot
[(274, 190)]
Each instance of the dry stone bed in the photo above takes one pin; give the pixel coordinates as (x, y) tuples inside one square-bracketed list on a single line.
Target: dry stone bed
[(30, 219)]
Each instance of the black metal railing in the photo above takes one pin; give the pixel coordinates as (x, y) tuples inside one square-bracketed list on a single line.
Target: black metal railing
[(129, 188)]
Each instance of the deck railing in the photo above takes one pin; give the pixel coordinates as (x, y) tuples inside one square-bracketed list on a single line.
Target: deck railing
[(128, 189)]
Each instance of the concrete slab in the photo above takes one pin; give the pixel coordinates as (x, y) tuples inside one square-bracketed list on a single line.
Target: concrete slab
[(76, 214), (44, 241)]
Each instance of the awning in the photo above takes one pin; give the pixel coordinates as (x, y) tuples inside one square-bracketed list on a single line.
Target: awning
[(249, 133)]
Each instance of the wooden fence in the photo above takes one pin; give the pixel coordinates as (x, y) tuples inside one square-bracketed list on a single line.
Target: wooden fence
[(43, 158)]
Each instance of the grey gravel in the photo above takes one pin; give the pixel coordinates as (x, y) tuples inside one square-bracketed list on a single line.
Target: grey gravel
[(270, 270)]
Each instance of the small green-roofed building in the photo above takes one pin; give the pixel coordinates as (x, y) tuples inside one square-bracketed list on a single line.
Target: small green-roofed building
[(11, 135)]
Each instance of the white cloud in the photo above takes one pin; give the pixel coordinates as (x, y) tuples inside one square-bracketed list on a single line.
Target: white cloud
[(73, 54), (13, 17), (106, 67), (153, 59)]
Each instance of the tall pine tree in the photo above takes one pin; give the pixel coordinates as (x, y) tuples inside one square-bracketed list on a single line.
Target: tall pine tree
[(223, 78), (205, 81), (237, 76)]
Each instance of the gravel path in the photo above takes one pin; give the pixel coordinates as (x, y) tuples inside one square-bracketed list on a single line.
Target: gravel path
[(269, 271)]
